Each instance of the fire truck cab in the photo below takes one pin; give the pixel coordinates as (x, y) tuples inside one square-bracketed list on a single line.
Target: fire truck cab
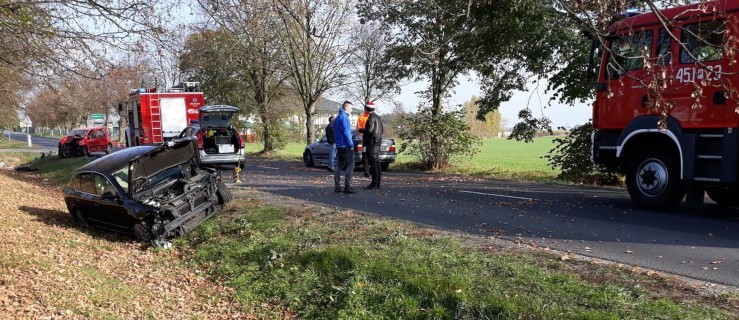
[(155, 116), (665, 111)]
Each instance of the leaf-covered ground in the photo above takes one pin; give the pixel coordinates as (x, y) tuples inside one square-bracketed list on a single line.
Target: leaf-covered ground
[(51, 268)]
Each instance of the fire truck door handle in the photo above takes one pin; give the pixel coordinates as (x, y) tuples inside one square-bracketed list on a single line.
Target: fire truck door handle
[(719, 97), (600, 86), (644, 101)]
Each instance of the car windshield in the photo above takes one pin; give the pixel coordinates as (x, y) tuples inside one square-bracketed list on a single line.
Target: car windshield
[(78, 132), (121, 177)]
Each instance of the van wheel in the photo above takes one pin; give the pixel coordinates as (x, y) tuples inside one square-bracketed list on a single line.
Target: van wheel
[(653, 178), (109, 149), (308, 159), (725, 196), (223, 194)]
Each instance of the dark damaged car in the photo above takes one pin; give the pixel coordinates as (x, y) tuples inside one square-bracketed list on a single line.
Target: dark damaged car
[(150, 192)]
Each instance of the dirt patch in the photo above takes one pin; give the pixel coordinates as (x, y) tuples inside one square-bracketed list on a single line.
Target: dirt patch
[(52, 268)]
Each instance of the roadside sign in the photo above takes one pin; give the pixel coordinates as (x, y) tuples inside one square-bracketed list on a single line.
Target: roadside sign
[(97, 116)]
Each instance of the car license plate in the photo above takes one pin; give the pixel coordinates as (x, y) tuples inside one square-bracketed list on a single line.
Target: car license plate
[(383, 148), (225, 148)]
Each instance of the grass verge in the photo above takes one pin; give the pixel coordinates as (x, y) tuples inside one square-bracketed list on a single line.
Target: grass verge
[(12, 144), (339, 265), (497, 159), (59, 171)]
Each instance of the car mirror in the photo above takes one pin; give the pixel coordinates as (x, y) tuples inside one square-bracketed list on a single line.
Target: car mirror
[(109, 196)]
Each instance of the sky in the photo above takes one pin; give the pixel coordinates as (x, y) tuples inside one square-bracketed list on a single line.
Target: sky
[(560, 115)]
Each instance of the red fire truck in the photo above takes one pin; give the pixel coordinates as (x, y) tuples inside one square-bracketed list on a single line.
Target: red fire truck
[(156, 116), (665, 111)]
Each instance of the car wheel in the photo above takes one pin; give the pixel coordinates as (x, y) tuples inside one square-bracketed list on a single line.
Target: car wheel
[(142, 231), (725, 196), (85, 152), (308, 159), (77, 215), (60, 153), (653, 178), (242, 165), (224, 195), (109, 149), (384, 165)]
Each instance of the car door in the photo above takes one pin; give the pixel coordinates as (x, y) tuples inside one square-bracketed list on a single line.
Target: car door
[(110, 212), (86, 193), (320, 152)]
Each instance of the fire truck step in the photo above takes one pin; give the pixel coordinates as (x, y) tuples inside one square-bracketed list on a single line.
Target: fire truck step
[(711, 135), (704, 179), (706, 156)]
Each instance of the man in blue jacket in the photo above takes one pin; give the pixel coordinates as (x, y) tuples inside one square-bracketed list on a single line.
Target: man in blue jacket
[(344, 149)]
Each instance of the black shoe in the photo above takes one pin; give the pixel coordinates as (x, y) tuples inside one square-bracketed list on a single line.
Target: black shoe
[(370, 187), (349, 190), (330, 170), (366, 175), (337, 190)]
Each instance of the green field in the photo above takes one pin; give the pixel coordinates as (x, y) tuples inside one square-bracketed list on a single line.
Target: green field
[(497, 158)]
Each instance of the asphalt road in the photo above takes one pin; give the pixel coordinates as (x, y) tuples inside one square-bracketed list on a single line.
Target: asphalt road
[(597, 222), (37, 143)]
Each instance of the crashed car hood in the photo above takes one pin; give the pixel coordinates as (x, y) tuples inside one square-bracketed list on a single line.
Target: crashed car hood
[(164, 156)]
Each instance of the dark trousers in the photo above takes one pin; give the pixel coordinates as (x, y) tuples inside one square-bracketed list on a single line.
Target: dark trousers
[(365, 162), (344, 160), (375, 170)]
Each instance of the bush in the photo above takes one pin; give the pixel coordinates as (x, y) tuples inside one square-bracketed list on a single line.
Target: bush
[(437, 138), (572, 155)]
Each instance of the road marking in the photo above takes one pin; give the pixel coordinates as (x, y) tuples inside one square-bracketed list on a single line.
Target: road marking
[(496, 195), (268, 167)]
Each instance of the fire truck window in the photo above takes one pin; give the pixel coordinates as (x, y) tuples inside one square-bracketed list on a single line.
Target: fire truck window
[(627, 53), (663, 47), (704, 40)]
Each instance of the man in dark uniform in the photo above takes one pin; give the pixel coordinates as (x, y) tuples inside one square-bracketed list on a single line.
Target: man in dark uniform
[(372, 141), (331, 143)]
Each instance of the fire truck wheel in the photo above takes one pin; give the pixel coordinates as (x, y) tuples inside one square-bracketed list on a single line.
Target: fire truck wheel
[(308, 159), (109, 149), (725, 196), (653, 179)]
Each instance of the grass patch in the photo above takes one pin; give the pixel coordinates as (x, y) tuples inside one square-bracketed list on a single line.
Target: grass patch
[(498, 159), (15, 159), (343, 266), (59, 171)]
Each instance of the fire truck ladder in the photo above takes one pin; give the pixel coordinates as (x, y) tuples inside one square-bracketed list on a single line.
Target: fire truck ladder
[(714, 152), (156, 118)]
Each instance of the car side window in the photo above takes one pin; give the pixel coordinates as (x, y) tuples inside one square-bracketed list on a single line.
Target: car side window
[(102, 185), (86, 183), (99, 134)]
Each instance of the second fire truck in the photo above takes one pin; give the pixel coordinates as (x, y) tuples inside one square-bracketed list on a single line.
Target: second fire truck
[(155, 116)]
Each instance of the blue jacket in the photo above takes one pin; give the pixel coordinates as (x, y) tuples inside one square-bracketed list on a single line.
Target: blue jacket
[(343, 131)]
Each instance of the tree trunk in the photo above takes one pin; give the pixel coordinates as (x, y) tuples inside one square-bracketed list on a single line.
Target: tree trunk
[(309, 113)]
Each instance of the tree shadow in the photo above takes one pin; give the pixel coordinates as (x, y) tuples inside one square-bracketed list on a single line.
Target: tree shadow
[(58, 218)]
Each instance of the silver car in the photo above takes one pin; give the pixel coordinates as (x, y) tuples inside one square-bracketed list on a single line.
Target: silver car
[(219, 143), (317, 152)]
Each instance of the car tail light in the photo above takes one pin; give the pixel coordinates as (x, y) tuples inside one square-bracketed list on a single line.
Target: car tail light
[(359, 148), (200, 141), (241, 140), (392, 148)]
